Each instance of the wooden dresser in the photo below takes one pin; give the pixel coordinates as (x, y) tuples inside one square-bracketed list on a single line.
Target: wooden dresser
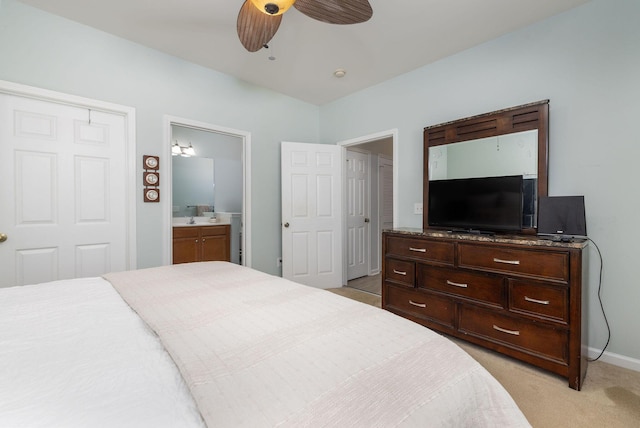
[(201, 243), (518, 295)]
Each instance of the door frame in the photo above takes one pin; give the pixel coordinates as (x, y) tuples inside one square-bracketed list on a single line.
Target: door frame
[(245, 137), (384, 159), (129, 115), (391, 133)]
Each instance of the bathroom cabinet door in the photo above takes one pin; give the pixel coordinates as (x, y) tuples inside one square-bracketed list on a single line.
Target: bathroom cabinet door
[(186, 244), (216, 243)]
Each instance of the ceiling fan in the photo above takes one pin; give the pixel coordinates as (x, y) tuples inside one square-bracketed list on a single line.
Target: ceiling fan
[(259, 20)]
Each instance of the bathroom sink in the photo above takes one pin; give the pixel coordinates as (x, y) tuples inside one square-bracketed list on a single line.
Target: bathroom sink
[(197, 221)]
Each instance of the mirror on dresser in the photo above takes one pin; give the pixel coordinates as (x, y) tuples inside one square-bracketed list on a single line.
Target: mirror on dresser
[(513, 141)]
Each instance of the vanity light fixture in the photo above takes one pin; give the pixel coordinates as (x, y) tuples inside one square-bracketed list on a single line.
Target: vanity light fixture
[(177, 149), (188, 151)]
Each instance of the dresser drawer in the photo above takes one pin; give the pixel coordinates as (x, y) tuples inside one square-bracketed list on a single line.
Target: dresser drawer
[(552, 265), (514, 332), (400, 271), (422, 249), (422, 305), (486, 288), (540, 300)]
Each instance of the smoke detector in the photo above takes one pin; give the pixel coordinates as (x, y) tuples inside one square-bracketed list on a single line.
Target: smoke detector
[(340, 72)]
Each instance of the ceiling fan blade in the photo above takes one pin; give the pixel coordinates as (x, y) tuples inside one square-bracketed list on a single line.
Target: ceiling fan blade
[(255, 29), (336, 11)]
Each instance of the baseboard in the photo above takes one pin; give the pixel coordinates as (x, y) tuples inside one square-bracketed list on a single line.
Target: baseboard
[(616, 359)]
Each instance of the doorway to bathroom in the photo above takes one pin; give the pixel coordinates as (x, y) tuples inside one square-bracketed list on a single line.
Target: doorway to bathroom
[(209, 181)]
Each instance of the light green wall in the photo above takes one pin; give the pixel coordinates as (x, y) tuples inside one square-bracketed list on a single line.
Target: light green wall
[(587, 62), (43, 50)]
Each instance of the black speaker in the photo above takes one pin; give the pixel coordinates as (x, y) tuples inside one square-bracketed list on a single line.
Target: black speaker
[(562, 216)]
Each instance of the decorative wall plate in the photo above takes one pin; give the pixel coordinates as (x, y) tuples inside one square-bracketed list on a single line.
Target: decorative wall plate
[(151, 178), (151, 162), (152, 195)]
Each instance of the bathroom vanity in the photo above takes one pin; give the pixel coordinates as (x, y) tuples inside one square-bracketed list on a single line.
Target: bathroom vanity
[(200, 242)]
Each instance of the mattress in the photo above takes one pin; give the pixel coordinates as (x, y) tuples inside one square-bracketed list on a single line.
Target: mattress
[(222, 345), (74, 354), (258, 350)]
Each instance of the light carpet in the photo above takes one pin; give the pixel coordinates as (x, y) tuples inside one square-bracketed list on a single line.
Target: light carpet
[(609, 397)]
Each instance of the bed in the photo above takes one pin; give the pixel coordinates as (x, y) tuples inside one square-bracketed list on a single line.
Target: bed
[(220, 345)]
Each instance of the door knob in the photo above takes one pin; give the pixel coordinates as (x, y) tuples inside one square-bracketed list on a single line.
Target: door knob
[(366, 219), (286, 224), (3, 237)]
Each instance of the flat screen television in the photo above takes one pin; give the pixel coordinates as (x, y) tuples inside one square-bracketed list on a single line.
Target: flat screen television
[(489, 204)]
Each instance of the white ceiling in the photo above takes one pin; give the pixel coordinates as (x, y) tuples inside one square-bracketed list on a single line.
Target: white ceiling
[(401, 36)]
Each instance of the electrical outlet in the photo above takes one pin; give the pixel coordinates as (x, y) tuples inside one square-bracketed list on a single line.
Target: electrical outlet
[(417, 208), (279, 262)]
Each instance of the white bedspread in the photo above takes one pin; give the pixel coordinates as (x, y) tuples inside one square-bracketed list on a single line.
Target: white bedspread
[(259, 351), (73, 354)]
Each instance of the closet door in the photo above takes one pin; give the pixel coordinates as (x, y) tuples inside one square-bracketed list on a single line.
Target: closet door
[(63, 197)]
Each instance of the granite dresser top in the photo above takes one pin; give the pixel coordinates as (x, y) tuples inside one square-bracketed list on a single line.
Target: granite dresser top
[(529, 240)]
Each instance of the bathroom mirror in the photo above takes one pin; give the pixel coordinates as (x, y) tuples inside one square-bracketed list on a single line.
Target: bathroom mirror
[(512, 141), (193, 186)]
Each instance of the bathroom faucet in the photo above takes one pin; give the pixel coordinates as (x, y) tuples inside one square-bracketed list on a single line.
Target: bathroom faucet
[(192, 221)]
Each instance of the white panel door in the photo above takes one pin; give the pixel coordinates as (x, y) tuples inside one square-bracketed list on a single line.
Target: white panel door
[(62, 199), (358, 230), (311, 214)]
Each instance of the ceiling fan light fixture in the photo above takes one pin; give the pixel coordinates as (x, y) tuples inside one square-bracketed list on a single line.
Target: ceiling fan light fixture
[(273, 7), (259, 20)]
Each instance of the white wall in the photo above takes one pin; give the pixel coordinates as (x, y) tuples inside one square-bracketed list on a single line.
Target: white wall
[(587, 62), (46, 51)]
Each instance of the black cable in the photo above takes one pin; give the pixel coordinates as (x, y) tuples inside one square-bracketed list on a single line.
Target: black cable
[(601, 305)]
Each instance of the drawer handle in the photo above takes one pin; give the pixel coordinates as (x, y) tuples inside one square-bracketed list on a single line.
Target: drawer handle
[(540, 302), (457, 284), (420, 305), (509, 262), (399, 272), (504, 330), (418, 250)]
